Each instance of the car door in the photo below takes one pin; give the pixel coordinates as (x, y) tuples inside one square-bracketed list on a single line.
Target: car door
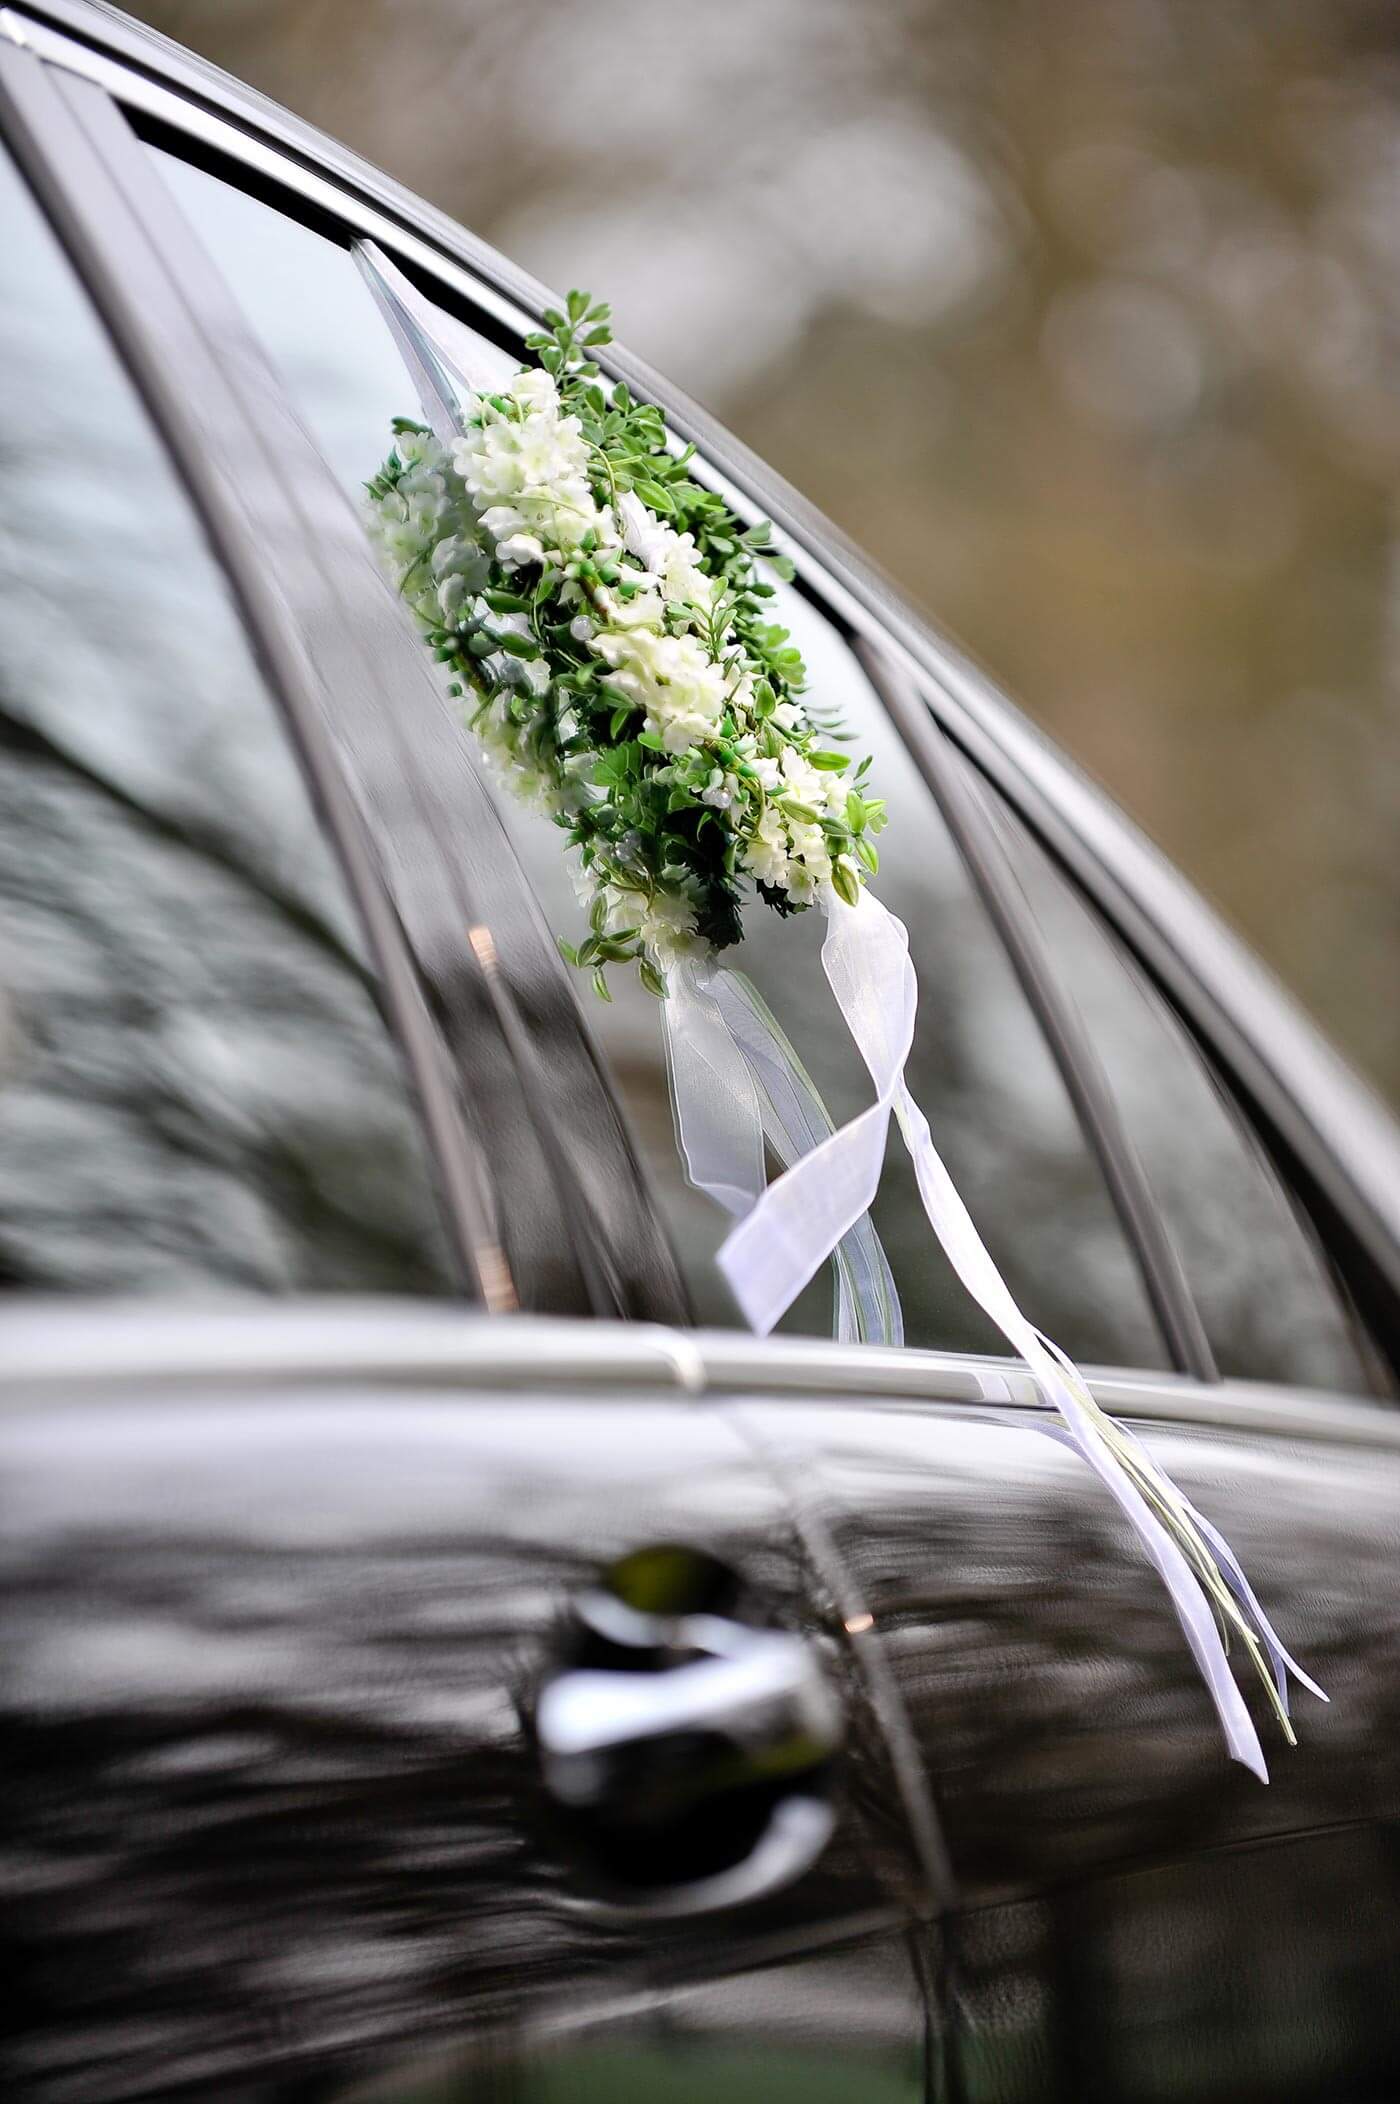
[(295, 1542)]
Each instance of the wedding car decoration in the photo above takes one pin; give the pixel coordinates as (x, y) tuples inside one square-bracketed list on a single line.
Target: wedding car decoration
[(605, 619)]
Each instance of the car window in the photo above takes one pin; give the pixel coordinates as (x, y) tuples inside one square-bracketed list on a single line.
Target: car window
[(980, 1067), (1269, 1303), (197, 1090)]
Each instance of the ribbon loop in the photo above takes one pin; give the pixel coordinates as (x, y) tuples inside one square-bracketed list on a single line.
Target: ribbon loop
[(736, 1081), (775, 1248)]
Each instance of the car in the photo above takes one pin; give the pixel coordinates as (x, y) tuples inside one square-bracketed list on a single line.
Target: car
[(445, 1655)]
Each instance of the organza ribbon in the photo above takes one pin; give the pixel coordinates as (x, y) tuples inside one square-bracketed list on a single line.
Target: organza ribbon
[(736, 1082), (778, 1245)]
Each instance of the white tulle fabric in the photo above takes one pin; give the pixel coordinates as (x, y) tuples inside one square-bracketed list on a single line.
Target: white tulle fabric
[(785, 1232), (735, 1083)]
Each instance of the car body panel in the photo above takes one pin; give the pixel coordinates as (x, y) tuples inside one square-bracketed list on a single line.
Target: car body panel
[(271, 1641), (281, 1583)]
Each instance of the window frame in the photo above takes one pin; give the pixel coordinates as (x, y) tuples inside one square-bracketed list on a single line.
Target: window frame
[(1336, 1149)]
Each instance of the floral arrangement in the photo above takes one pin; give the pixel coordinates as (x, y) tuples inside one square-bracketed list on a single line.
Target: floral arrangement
[(605, 616), (605, 619)]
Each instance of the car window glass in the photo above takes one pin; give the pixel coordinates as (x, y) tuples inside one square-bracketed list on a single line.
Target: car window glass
[(197, 1091), (980, 1067), (1268, 1302), (315, 314)]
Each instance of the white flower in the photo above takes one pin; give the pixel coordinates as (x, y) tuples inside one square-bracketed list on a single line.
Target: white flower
[(642, 610), (765, 852), (668, 927), (680, 688), (642, 532), (720, 790), (534, 388), (519, 549), (528, 474), (670, 559)]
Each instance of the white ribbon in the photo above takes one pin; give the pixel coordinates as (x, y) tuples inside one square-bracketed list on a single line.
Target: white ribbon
[(736, 1081), (775, 1248), (718, 1118)]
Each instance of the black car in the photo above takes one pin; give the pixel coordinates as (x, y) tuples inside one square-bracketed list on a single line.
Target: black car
[(443, 1655)]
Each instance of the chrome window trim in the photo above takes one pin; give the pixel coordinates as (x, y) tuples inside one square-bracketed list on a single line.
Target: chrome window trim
[(137, 1349), (1332, 1134)]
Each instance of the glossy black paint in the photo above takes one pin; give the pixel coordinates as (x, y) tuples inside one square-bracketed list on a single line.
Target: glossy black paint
[(272, 1808), (274, 1818)]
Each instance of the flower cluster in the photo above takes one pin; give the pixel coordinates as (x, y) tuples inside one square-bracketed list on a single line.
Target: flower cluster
[(604, 614)]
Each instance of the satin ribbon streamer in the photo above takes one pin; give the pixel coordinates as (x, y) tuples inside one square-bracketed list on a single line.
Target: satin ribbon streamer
[(778, 1245)]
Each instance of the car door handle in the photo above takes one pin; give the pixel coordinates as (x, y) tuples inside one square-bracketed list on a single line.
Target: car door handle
[(688, 1756)]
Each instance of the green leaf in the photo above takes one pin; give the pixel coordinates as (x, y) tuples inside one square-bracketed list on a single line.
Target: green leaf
[(830, 762), (651, 741), (803, 813), (615, 767), (618, 719), (651, 979), (855, 811), (567, 951), (600, 982), (869, 855), (518, 646)]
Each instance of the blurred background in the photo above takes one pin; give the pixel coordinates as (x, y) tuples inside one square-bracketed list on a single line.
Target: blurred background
[(1083, 320)]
